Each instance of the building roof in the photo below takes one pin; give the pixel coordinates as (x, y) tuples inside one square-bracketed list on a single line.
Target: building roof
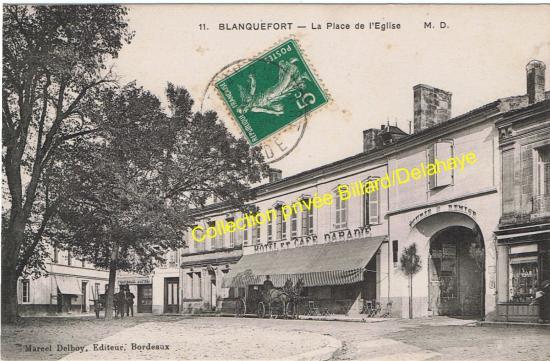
[(514, 104)]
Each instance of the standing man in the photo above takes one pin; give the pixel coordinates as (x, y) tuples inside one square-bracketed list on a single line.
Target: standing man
[(129, 296)]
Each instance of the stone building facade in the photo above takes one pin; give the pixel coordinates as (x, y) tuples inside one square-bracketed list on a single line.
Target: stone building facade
[(348, 253)]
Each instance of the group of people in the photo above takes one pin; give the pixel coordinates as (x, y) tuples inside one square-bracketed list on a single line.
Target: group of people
[(123, 302)]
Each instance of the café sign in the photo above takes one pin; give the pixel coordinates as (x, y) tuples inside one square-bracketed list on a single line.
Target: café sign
[(136, 280)]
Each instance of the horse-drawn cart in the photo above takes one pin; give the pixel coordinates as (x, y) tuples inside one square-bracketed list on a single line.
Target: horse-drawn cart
[(268, 301)]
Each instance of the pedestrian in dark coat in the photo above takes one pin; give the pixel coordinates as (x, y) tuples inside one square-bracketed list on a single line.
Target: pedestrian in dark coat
[(129, 303)]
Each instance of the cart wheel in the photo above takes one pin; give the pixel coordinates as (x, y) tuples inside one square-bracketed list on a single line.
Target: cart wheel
[(240, 308), (261, 310)]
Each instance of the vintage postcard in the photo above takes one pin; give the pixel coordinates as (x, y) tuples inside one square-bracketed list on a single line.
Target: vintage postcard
[(210, 181)]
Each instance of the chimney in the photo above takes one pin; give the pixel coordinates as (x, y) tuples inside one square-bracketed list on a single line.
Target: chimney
[(370, 139), (275, 175), (535, 81), (432, 106)]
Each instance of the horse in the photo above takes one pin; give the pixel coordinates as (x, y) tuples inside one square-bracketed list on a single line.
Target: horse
[(284, 296)]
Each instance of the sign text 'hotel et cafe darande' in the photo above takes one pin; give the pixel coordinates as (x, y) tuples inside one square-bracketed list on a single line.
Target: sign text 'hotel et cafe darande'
[(345, 193)]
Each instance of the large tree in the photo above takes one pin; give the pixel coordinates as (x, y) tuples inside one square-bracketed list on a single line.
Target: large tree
[(54, 59), (134, 183)]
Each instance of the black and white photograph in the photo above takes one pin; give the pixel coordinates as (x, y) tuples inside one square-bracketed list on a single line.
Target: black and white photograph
[(275, 182)]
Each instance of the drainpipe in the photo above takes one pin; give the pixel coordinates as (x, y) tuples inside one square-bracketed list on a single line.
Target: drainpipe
[(389, 238)]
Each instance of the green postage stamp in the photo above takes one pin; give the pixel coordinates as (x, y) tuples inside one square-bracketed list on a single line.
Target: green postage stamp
[(272, 91)]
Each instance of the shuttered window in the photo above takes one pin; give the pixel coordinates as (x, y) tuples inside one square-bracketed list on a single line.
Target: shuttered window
[(341, 213), (438, 154), (270, 229), (374, 214), (293, 225), (508, 181), (307, 219)]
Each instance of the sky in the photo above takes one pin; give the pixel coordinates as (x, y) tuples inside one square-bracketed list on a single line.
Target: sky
[(479, 56)]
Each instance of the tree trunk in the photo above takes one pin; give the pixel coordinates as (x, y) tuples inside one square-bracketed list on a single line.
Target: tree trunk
[(112, 280), (411, 296), (11, 241), (9, 292)]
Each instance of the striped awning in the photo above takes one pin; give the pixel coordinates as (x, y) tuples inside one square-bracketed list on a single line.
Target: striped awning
[(327, 264)]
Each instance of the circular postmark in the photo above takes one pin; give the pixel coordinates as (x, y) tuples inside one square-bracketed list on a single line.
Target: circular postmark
[(275, 147)]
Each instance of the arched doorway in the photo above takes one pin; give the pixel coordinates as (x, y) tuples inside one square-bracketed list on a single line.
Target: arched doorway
[(456, 272)]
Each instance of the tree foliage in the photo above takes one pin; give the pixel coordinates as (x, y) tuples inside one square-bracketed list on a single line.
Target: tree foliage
[(410, 261), (134, 184), (54, 60)]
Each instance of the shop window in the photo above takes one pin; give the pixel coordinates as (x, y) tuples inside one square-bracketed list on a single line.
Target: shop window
[(26, 292), (438, 154), (524, 276), (341, 213), (307, 219)]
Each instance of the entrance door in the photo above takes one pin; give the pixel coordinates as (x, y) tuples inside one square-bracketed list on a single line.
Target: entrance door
[(84, 297), (456, 272), (145, 299), (171, 295)]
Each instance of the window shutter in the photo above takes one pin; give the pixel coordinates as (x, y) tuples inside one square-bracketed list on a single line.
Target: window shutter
[(344, 215), (366, 210), (507, 181), (444, 151), (373, 208), (431, 160)]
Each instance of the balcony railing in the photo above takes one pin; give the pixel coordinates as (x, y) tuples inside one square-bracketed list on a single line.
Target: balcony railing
[(541, 204)]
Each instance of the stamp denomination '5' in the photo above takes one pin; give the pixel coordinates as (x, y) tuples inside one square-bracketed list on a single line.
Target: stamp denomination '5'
[(269, 93)]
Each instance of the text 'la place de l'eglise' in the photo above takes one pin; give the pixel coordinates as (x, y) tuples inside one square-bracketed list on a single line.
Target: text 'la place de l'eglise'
[(345, 192)]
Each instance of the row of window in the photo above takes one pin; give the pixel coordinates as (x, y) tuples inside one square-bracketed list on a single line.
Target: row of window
[(69, 260), (281, 229)]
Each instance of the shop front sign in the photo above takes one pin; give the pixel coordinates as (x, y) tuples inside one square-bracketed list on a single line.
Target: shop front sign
[(453, 207)]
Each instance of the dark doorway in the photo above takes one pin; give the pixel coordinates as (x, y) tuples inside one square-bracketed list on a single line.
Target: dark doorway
[(171, 295), (145, 299), (369, 285), (456, 272), (84, 294)]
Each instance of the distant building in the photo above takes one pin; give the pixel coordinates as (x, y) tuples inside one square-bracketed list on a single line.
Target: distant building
[(70, 286)]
